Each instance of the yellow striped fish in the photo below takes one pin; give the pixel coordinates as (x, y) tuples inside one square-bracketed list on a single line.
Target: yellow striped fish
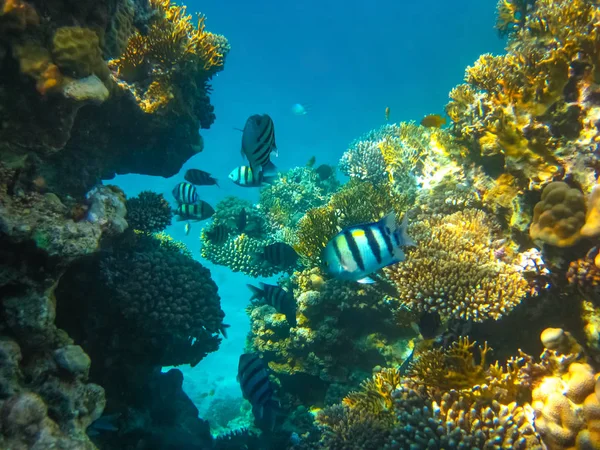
[(360, 250)]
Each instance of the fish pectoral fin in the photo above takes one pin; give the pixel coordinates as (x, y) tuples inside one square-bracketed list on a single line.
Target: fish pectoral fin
[(366, 280)]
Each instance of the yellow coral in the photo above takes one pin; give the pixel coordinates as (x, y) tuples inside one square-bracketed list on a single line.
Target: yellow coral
[(454, 271), (559, 215), (375, 395), (76, 51)]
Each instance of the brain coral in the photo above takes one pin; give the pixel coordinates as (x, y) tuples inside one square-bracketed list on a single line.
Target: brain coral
[(148, 212), (76, 51), (454, 271), (559, 216)]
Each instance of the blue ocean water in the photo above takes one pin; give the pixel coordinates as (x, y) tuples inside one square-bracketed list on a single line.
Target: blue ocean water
[(347, 61)]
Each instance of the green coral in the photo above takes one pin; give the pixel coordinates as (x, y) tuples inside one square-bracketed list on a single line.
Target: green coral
[(291, 195)]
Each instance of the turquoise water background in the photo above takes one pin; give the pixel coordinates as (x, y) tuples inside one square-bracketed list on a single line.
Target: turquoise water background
[(346, 60)]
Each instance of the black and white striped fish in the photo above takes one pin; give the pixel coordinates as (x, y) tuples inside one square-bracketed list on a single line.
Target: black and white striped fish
[(279, 254), (197, 211), (258, 140), (185, 193), (253, 376), (218, 234), (280, 299), (200, 177), (358, 251), (246, 177)]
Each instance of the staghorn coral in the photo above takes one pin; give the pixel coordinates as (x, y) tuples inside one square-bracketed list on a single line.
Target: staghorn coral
[(149, 212), (559, 216), (454, 271)]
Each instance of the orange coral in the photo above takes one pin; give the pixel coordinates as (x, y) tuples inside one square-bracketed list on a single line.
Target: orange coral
[(559, 216), (17, 15), (36, 62)]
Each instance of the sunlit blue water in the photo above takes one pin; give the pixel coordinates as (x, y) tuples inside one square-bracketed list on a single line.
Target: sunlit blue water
[(347, 60)]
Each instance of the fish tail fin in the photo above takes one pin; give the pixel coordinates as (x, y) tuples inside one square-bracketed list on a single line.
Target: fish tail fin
[(216, 182), (391, 225), (269, 168), (268, 179), (257, 293), (406, 239)]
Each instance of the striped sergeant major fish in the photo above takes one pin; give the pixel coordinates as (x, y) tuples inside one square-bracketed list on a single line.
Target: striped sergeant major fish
[(197, 211), (200, 177), (280, 299), (253, 376), (360, 250), (246, 177), (258, 140), (278, 254), (185, 193)]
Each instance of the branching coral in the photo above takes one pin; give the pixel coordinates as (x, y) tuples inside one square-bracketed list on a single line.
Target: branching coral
[(291, 195), (174, 54), (454, 271), (148, 212), (531, 109)]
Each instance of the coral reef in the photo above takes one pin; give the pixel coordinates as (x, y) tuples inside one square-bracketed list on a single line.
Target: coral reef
[(293, 193), (52, 65), (45, 397), (149, 212), (454, 271), (241, 249), (340, 331), (531, 112), (168, 307)]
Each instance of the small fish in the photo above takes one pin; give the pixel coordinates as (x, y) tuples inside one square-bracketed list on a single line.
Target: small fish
[(300, 109), (406, 363), (200, 177), (246, 177), (223, 329), (258, 140), (324, 171), (218, 234), (387, 113), (280, 299), (433, 121), (198, 211), (358, 251), (279, 255), (257, 388), (311, 162), (187, 228), (185, 193), (241, 220)]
